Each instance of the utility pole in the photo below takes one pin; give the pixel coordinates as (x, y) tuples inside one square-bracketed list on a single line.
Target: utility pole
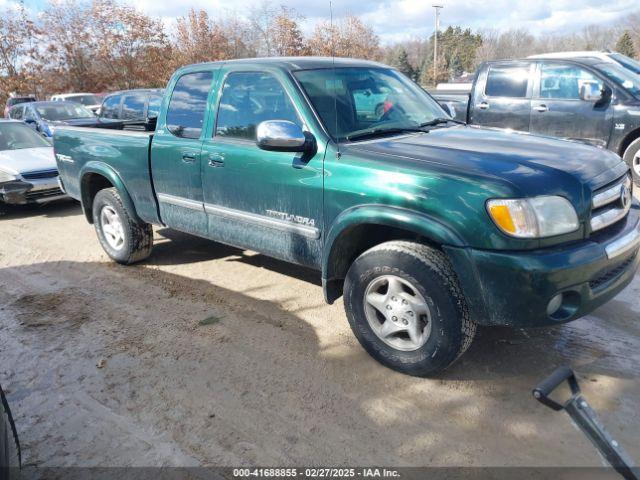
[(435, 44)]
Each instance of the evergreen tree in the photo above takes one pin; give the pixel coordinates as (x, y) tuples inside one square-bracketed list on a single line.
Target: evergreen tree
[(625, 45), (400, 60)]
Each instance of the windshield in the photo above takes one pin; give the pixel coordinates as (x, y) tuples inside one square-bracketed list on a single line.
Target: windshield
[(366, 99), (623, 77), (85, 99), (63, 111), (15, 136), (626, 62)]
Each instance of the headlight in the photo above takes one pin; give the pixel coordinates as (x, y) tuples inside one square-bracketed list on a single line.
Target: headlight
[(535, 217), (6, 177)]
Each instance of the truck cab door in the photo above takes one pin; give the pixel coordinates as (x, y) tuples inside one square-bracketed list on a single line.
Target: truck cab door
[(176, 150), (557, 109), (267, 201), (502, 96)]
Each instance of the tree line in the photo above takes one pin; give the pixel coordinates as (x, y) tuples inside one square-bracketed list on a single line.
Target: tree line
[(102, 45)]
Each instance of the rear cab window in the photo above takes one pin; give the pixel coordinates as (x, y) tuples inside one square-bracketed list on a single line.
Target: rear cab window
[(188, 104), (508, 81), (133, 106), (111, 107)]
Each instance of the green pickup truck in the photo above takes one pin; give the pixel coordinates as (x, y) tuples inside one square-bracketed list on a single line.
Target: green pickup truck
[(427, 227)]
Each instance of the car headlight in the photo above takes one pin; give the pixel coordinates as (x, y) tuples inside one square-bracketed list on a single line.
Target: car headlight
[(6, 177), (535, 217)]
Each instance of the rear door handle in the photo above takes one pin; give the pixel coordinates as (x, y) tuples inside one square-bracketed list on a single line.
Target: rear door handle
[(483, 106), (216, 160), (189, 157), (541, 108)]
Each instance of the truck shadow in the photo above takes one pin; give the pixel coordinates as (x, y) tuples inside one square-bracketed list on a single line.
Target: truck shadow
[(216, 368), (57, 209)]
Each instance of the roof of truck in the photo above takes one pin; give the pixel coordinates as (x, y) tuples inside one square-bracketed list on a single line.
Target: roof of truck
[(297, 63)]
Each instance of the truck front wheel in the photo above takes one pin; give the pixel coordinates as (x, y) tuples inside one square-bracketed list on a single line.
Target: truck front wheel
[(632, 157), (125, 240), (406, 308)]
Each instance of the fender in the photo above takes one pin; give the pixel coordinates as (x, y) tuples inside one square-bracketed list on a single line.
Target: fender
[(415, 222), (110, 174)]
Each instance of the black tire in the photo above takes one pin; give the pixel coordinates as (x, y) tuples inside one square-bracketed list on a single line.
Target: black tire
[(138, 237), (429, 272), (10, 456), (631, 156)]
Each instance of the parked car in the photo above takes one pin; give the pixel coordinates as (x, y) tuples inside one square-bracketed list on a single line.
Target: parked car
[(427, 227), (581, 99), (15, 100), (605, 56), (28, 171), (133, 107), (90, 100), (45, 117)]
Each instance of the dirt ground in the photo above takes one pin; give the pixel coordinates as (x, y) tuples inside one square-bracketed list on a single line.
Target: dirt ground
[(206, 354)]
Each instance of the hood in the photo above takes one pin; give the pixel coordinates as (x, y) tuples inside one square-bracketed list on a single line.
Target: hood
[(498, 153), (27, 160)]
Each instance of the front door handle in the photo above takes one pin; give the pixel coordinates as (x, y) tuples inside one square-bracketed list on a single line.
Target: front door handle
[(189, 157), (483, 106), (216, 160), (541, 108)]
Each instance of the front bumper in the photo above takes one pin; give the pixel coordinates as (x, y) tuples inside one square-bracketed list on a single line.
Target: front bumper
[(515, 288), (22, 192)]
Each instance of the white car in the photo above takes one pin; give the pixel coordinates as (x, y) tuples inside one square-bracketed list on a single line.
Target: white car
[(89, 100), (605, 56), (28, 170)]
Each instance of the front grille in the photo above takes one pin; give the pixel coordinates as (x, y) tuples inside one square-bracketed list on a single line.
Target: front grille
[(611, 203), (40, 194), (612, 273), (40, 174)]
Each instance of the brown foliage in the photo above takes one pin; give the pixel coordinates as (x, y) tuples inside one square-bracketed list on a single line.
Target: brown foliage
[(347, 38)]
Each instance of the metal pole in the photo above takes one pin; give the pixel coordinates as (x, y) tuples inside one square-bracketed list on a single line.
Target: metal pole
[(435, 44)]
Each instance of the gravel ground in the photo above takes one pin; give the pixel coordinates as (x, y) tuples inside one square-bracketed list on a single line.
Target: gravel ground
[(209, 355)]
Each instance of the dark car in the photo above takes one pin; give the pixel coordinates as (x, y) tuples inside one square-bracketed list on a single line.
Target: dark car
[(582, 99), (44, 117), (11, 101), (133, 107)]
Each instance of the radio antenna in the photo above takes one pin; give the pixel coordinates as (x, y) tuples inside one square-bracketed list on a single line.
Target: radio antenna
[(335, 77)]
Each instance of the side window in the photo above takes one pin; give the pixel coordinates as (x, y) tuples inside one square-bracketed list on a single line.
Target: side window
[(188, 104), (508, 82), (249, 98), (133, 107), (154, 106), (564, 81), (29, 114), (110, 107), (16, 113)]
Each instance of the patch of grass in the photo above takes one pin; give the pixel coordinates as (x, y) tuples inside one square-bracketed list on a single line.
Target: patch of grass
[(212, 320)]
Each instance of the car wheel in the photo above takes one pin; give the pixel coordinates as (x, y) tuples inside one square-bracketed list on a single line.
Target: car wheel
[(406, 308), (632, 157), (125, 240)]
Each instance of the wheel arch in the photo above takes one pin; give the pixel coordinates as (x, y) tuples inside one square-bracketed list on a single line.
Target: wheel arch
[(631, 137), (360, 228), (96, 176)]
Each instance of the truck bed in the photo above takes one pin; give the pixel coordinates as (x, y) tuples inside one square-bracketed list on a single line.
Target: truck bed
[(125, 154)]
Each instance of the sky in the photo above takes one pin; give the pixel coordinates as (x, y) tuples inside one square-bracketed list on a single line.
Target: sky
[(404, 19)]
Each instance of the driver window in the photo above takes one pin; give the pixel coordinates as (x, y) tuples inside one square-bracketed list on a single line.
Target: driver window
[(28, 114), (249, 98), (565, 81)]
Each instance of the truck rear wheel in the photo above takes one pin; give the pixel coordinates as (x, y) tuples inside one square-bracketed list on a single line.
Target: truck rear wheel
[(632, 157), (406, 308), (125, 240)]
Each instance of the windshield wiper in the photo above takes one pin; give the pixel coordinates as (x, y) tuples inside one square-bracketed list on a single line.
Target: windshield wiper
[(382, 131), (439, 121)]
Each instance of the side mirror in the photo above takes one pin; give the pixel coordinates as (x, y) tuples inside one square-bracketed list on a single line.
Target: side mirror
[(282, 136), (591, 92)]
